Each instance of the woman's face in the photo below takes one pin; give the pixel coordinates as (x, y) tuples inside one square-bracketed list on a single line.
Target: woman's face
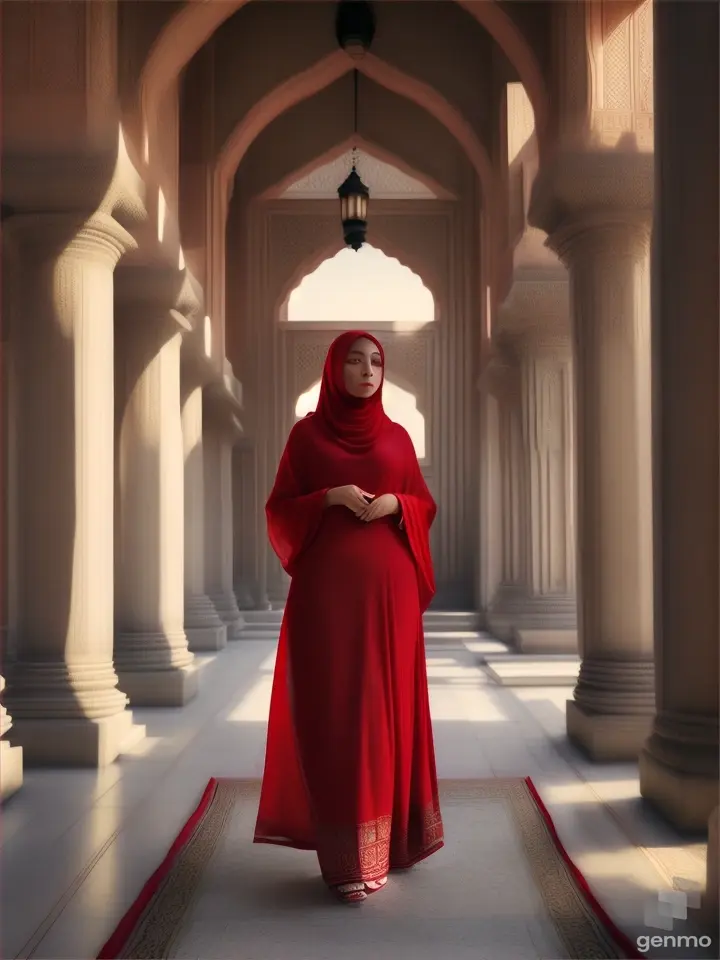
[(363, 370)]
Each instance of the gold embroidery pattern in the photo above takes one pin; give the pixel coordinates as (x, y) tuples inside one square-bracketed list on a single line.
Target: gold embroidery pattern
[(351, 854), (370, 850), (433, 825)]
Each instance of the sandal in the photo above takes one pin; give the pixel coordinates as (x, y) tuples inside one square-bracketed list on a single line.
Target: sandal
[(351, 892), (372, 886)]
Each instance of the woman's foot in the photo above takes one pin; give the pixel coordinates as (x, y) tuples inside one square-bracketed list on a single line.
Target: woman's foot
[(351, 892), (357, 892)]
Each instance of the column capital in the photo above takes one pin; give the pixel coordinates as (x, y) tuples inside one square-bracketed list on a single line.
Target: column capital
[(198, 369), (57, 180), (47, 236), (159, 289), (619, 234), (604, 195), (222, 398), (500, 376), (536, 344), (160, 298), (536, 310), (220, 417)]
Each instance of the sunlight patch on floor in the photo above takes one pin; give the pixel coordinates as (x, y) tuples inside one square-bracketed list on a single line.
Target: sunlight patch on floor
[(144, 747), (448, 672), (469, 705), (579, 793), (255, 704), (268, 663), (608, 864)]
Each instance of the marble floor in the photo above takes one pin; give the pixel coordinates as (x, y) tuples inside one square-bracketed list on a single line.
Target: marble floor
[(77, 845)]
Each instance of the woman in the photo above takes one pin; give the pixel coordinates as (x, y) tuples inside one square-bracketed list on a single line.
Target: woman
[(350, 764)]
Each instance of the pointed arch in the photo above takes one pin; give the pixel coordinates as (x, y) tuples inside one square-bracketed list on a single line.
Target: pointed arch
[(194, 24), (369, 147), (308, 82), (326, 71)]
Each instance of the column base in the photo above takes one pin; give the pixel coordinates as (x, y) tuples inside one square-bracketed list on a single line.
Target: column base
[(533, 623), (206, 639), (545, 641), (606, 737), (685, 799), (235, 629), (204, 629), (82, 742), (159, 688), (244, 596), (11, 769), (229, 612)]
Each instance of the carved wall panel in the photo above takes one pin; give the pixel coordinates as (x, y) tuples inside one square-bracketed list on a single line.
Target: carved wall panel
[(384, 181), (620, 37)]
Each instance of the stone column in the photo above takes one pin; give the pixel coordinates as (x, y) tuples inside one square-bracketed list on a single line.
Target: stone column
[(62, 689), (204, 628), (489, 486), (546, 618), (10, 313), (154, 665), (11, 758), (614, 699), (219, 441), (243, 504), (679, 765), (505, 386)]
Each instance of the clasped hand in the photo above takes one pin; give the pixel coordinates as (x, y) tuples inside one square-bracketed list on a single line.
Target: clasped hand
[(382, 506), (353, 498)]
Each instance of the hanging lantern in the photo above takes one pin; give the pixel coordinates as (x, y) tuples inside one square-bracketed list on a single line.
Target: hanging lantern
[(355, 27), (354, 198), (354, 195), (355, 30)]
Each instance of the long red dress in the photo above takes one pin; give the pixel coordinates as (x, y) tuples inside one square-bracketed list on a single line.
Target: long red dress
[(350, 764)]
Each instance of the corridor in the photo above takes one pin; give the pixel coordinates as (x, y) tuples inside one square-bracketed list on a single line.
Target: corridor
[(79, 844)]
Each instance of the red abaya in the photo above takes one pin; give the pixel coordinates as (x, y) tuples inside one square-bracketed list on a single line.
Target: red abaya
[(350, 764)]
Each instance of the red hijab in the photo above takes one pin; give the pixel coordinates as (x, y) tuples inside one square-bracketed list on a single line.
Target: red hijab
[(355, 423)]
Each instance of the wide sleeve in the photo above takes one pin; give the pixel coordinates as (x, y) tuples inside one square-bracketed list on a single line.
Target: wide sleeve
[(418, 510), (293, 517)]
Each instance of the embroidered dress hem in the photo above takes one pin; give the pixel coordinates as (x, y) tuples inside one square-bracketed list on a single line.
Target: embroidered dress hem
[(369, 856)]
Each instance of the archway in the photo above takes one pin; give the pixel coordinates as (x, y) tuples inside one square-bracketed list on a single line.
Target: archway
[(400, 405), (304, 85), (359, 287), (194, 24)]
